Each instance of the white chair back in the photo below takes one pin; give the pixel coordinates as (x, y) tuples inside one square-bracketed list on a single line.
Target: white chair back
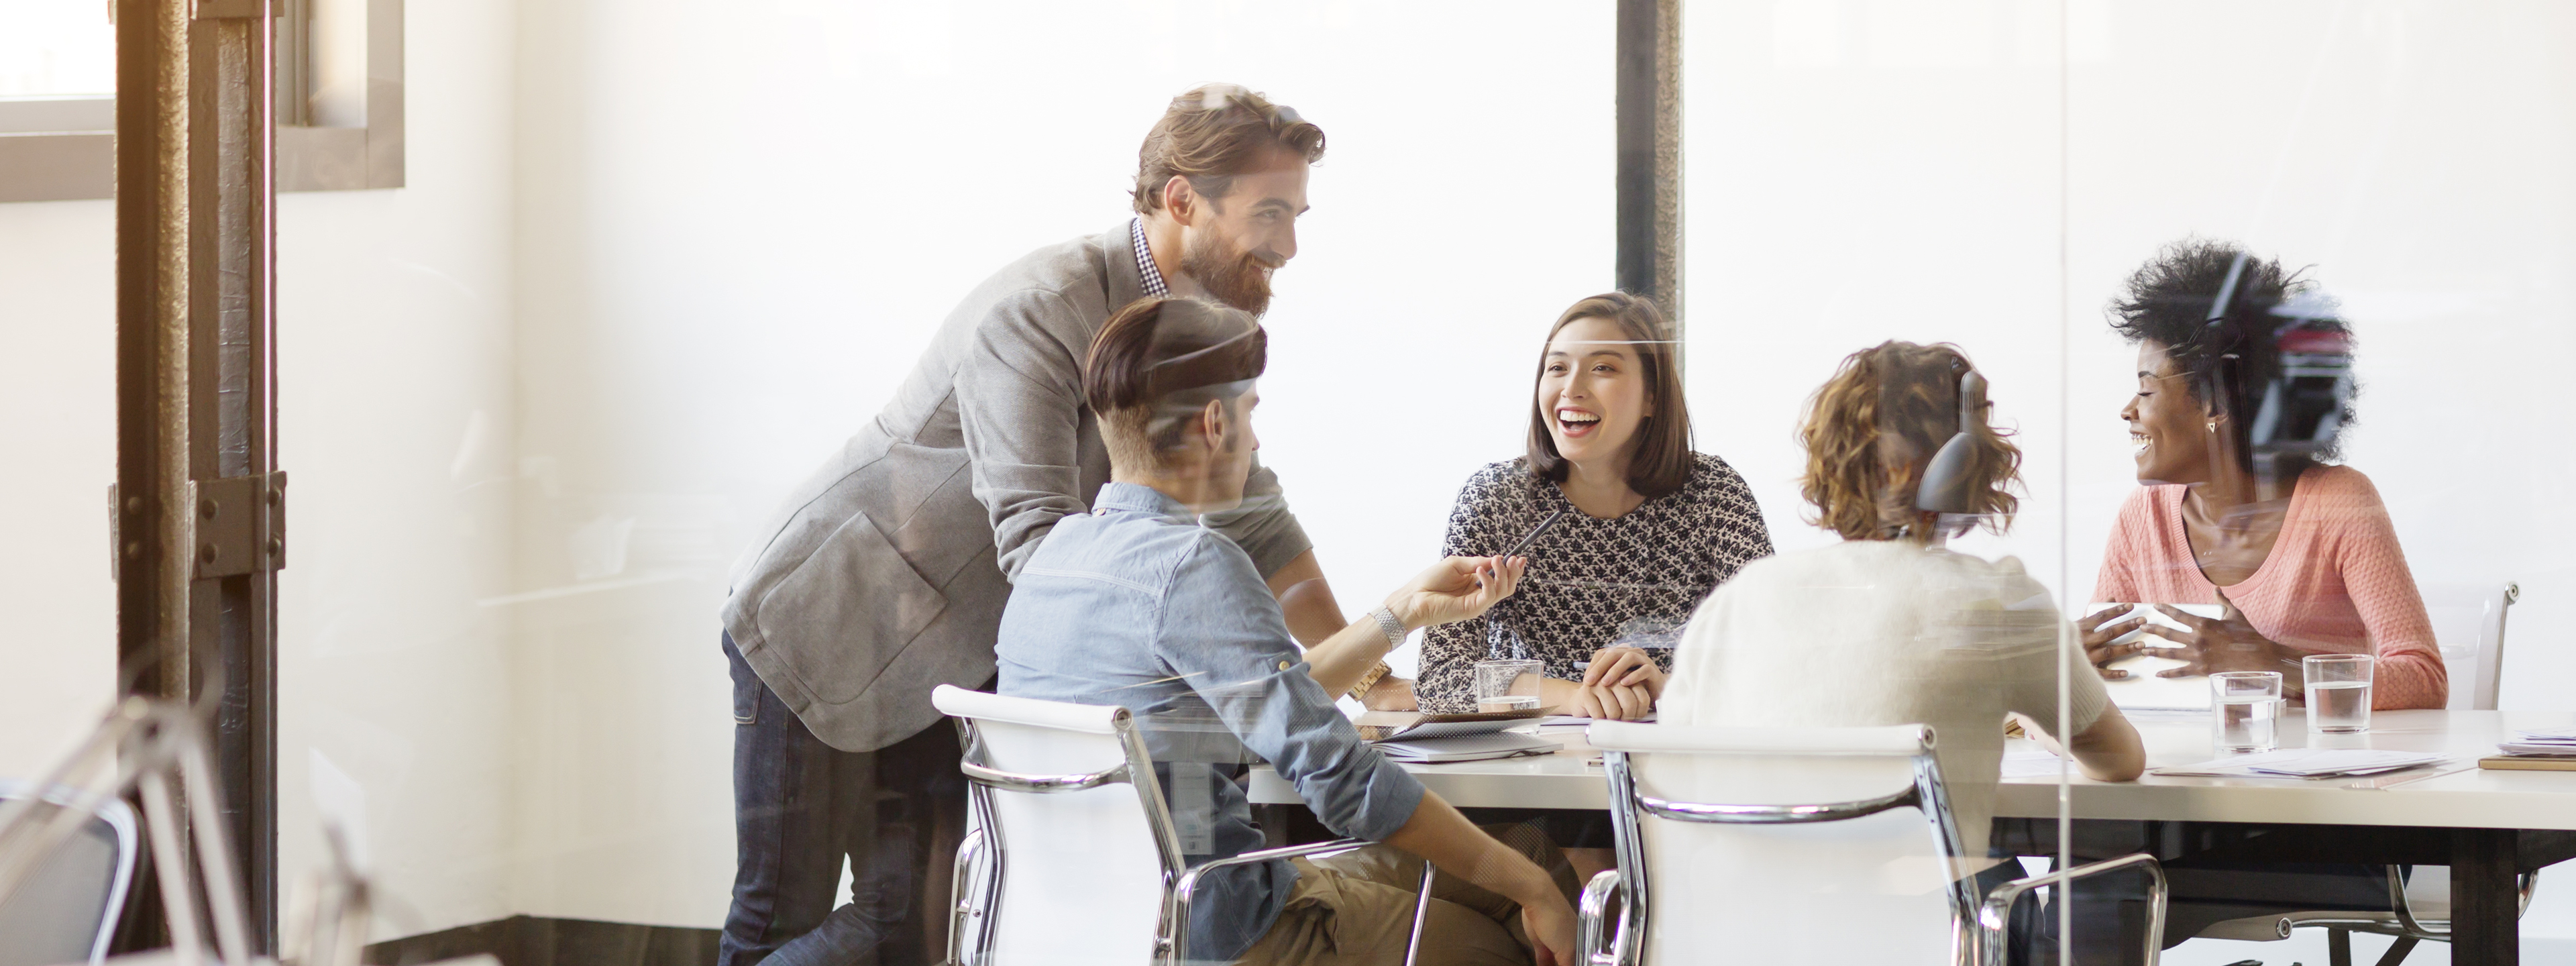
[(67, 912), (1784, 845), (2468, 624), (1070, 845)]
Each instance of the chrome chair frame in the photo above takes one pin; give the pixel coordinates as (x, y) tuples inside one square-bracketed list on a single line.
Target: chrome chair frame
[(148, 747), (1599, 943), (977, 900), (120, 819)]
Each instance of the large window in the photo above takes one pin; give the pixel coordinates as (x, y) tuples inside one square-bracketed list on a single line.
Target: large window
[(339, 97)]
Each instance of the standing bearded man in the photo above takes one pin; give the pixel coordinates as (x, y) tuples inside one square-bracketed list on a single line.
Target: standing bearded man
[(885, 574)]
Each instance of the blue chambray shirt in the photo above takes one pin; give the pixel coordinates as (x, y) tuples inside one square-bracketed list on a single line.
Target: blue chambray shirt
[(1138, 605)]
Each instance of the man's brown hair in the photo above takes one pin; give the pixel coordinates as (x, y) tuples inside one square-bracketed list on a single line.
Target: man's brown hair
[(1212, 133), (1156, 365), (1663, 460), (1872, 429)]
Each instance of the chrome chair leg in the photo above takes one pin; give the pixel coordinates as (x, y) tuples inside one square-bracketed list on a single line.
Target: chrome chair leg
[(1421, 912)]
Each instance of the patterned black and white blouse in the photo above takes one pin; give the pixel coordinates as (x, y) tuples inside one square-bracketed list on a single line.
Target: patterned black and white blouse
[(1592, 582)]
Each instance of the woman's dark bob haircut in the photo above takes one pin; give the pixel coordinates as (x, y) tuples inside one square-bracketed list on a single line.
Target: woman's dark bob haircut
[(2276, 344), (1662, 463)]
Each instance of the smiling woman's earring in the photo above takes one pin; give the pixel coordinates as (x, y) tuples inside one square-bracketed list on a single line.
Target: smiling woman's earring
[(2213, 425)]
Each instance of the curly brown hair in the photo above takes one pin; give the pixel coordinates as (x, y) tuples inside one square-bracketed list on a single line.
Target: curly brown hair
[(1870, 430)]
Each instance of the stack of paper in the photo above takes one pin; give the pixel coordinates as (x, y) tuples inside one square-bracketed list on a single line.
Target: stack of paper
[(2308, 763), (1499, 744), (2544, 742), (1383, 725)]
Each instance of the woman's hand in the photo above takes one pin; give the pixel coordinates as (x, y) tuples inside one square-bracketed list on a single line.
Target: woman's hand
[(1456, 589), (2227, 642), (1624, 666), (2099, 631), (1612, 702)]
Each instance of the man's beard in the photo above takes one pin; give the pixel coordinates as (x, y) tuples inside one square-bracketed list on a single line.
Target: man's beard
[(1240, 281)]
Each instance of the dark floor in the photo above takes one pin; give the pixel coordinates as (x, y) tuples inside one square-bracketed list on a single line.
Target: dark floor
[(531, 941)]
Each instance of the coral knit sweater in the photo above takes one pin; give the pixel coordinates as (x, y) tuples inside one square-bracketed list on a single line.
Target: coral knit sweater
[(2336, 580)]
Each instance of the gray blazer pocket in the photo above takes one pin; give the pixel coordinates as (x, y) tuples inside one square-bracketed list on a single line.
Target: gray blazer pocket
[(844, 615)]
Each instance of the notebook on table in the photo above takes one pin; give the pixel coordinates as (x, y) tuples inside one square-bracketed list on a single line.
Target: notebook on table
[(2538, 749), (1386, 725)]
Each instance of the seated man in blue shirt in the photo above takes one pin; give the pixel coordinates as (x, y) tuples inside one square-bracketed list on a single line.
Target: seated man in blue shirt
[(1139, 604)]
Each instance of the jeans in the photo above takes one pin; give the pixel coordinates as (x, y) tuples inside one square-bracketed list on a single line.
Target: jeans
[(802, 807)]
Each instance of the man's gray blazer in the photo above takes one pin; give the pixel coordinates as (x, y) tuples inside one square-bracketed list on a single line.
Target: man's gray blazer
[(884, 574)]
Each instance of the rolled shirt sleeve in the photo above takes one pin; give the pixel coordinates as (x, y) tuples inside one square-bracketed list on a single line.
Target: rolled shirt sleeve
[(1221, 630)]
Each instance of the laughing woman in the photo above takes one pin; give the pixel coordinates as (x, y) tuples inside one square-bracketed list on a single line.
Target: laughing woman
[(2237, 420), (1648, 527)]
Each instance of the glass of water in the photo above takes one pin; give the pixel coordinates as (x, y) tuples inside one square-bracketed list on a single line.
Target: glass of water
[(1507, 685), (2338, 692), (2248, 710)]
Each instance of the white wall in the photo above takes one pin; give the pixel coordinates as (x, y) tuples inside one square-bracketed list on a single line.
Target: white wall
[(58, 382), (735, 233)]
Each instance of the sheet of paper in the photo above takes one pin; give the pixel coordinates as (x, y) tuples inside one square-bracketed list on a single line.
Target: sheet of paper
[(1577, 721), (2307, 763), (2029, 762)]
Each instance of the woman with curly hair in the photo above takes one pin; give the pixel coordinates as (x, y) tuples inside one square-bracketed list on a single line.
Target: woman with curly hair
[(2244, 390), (1890, 627)]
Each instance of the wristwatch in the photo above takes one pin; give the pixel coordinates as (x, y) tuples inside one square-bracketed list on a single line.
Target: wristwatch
[(1395, 632), (1359, 692)]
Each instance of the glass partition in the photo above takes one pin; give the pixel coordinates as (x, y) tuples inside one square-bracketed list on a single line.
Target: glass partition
[(721, 385)]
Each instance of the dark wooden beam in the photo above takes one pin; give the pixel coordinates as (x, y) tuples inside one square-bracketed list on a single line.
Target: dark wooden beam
[(199, 504), (1650, 149)]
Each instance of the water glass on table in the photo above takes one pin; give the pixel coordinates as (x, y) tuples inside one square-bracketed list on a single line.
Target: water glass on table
[(2247, 707), (2338, 692), (1507, 685)]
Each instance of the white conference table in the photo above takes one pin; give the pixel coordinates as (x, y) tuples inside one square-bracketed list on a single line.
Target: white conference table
[(2487, 825)]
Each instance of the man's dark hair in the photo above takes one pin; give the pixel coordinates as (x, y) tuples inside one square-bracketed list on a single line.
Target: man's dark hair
[(2257, 344), (1213, 132), (1158, 362)]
